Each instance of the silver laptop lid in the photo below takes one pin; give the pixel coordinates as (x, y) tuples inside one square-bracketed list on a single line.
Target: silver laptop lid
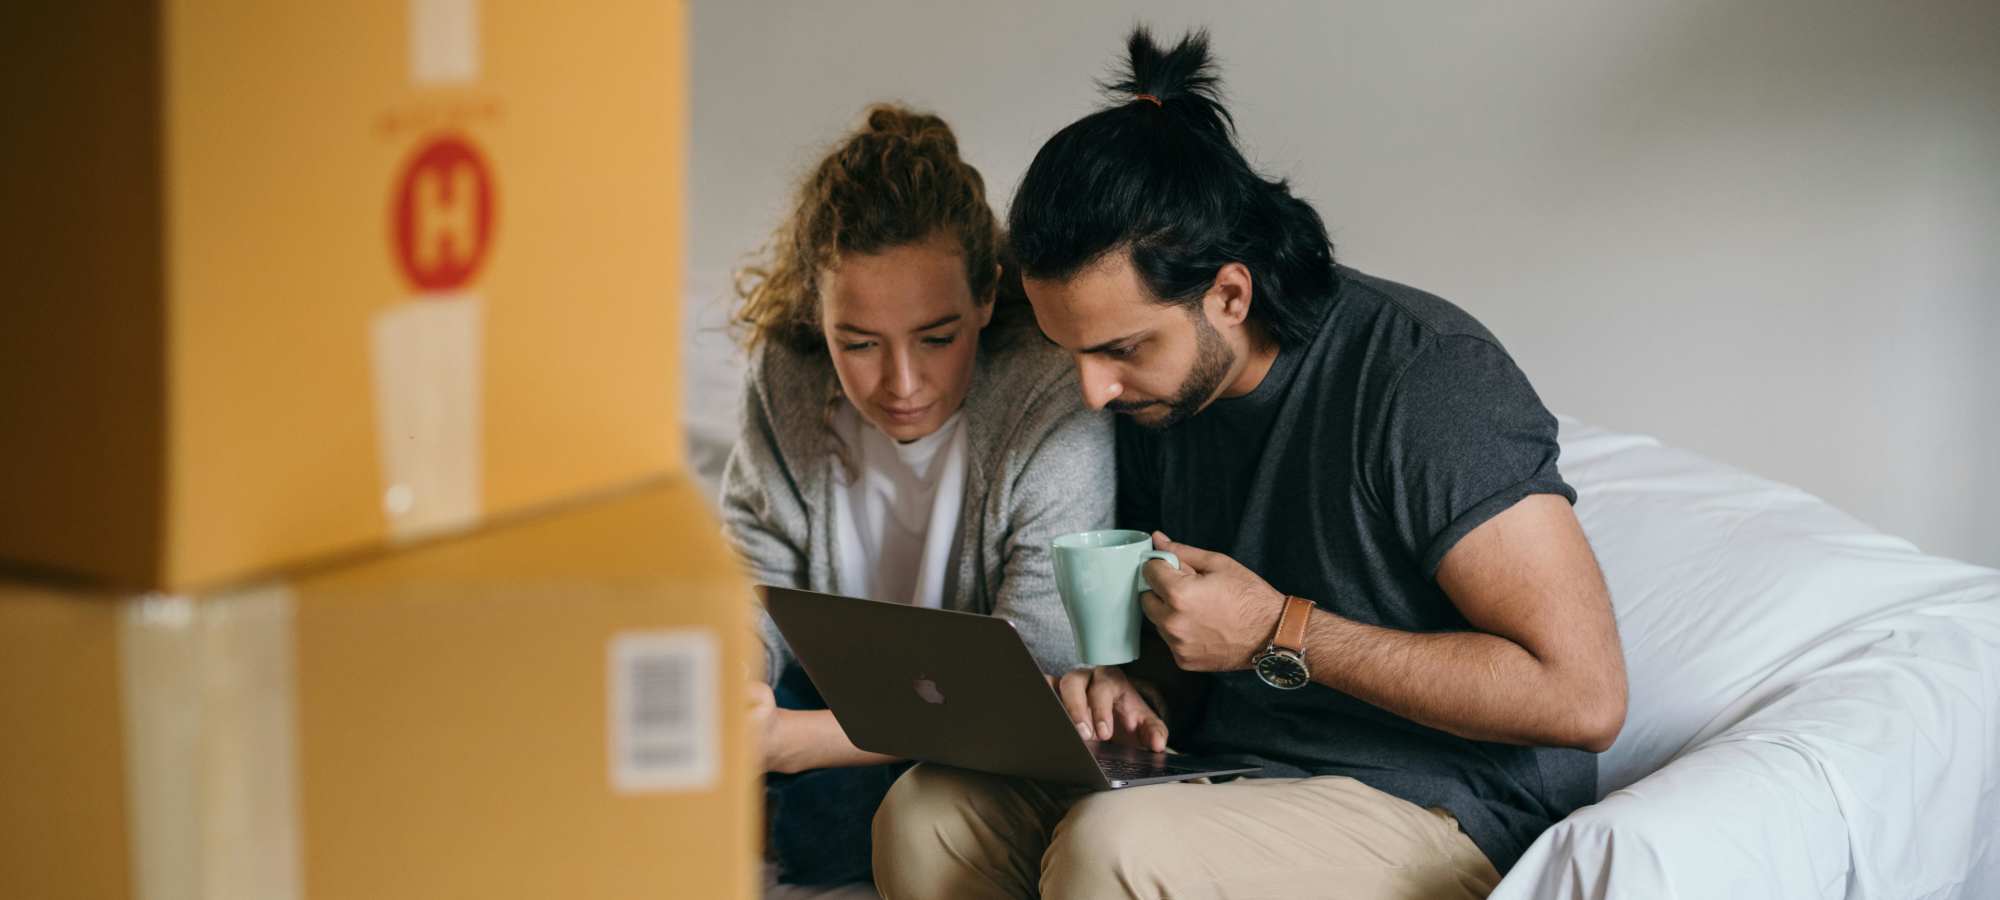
[(932, 685)]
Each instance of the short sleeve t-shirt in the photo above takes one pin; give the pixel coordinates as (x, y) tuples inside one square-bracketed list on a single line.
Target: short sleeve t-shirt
[(1345, 477)]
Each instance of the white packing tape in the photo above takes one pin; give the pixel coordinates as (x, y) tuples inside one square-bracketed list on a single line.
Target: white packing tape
[(428, 413), (209, 693), (444, 42)]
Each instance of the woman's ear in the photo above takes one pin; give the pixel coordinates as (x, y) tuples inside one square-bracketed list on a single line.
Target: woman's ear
[(992, 298)]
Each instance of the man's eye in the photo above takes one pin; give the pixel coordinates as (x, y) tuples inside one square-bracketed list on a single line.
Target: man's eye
[(941, 340), (1121, 352)]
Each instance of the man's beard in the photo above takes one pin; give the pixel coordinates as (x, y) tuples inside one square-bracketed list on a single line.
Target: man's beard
[(1212, 361)]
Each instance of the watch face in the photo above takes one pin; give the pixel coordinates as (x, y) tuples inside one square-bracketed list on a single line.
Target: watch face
[(1283, 669)]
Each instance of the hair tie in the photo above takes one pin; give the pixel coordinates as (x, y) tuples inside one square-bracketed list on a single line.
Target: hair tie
[(1149, 97)]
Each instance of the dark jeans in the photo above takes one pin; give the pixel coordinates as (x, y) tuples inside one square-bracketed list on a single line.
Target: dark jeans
[(820, 820)]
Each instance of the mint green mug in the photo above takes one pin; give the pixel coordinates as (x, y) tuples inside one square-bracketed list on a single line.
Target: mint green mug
[(1098, 574)]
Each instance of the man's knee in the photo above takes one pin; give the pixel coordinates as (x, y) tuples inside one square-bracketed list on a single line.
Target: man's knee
[(924, 798), (919, 793)]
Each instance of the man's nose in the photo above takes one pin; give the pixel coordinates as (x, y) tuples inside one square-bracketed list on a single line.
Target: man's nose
[(1100, 383)]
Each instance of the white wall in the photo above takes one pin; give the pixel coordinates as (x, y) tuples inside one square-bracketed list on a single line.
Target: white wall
[(1766, 231)]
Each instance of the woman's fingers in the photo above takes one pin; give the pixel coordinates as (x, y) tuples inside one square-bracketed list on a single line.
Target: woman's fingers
[(1105, 691), (1142, 725), (1073, 689), (1132, 712)]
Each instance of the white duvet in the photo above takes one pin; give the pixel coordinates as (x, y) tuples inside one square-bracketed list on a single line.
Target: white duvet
[(1815, 706)]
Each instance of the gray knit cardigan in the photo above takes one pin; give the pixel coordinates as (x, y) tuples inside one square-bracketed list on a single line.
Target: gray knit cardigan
[(1038, 464)]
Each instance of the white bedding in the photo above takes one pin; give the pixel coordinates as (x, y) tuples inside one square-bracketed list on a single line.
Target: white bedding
[(1815, 706)]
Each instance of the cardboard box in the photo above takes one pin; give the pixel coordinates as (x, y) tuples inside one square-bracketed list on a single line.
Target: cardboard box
[(288, 280), (548, 708)]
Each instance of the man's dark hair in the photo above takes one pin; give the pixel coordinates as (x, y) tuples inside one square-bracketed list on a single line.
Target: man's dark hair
[(1157, 173)]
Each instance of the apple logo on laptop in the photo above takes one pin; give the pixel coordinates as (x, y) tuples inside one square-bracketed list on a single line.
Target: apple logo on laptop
[(928, 690)]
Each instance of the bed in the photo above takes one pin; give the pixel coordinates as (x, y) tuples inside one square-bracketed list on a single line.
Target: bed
[(1815, 705)]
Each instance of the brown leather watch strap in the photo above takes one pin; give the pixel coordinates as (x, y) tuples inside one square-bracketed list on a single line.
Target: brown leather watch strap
[(1292, 625)]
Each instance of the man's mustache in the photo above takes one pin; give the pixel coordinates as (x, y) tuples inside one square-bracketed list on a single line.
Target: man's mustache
[(1130, 408)]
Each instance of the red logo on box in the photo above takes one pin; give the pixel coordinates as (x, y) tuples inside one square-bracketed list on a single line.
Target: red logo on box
[(442, 218)]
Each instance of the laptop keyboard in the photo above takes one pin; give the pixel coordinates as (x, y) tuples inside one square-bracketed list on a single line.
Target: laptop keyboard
[(1129, 770)]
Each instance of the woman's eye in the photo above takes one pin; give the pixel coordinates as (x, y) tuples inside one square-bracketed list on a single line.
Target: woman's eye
[(941, 341), (854, 346)]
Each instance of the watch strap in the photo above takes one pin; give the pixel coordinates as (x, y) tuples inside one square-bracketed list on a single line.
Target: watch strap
[(1292, 625)]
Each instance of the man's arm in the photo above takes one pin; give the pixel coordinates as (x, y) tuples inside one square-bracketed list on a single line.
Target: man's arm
[(1543, 667)]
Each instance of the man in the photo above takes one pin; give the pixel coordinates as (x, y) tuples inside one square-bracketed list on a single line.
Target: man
[(1386, 601)]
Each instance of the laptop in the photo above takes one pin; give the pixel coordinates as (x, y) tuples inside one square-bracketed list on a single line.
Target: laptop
[(955, 688)]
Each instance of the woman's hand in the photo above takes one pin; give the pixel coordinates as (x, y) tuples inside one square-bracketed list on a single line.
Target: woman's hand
[(1107, 706), (765, 719)]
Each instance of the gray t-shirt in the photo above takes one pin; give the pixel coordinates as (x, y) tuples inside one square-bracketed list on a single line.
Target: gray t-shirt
[(1345, 477)]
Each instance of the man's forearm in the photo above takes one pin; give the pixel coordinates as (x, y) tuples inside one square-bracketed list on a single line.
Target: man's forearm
[(1469, 683)]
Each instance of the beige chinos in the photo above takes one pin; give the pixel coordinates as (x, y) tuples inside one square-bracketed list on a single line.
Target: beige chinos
[(944, 832)]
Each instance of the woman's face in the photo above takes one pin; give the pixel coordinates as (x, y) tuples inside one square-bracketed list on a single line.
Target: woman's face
[(903, 330)]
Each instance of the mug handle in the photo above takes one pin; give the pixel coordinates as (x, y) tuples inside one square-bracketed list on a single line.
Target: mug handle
[(1140, 577)]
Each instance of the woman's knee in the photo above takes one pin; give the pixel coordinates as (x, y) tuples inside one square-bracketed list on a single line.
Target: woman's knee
[(1109, 843)]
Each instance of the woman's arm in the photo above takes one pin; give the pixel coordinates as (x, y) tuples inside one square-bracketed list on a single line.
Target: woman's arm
[(1069, 484), (796, 740), (765, 521), (763, 517)]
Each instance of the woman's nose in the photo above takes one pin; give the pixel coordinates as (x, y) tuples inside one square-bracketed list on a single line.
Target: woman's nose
[(903, 377)]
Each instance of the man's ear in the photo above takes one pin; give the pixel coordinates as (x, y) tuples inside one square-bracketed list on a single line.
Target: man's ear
[(1229, 296)]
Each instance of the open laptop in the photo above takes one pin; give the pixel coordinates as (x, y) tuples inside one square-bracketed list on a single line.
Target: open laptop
[(954, 688)]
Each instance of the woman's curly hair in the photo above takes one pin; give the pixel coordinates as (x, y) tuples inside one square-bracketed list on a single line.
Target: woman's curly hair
[(895, 181)]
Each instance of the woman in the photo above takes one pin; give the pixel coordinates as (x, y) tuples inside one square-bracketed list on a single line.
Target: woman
[(907, 436)]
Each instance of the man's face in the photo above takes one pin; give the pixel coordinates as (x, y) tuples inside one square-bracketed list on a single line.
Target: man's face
[(1158, 363)]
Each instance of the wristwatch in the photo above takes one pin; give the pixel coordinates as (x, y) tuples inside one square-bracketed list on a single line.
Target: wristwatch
[(1282, 663)]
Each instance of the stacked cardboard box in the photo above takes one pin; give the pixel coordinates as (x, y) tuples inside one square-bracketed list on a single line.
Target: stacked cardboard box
[(344, 549), (290, 282), (537, 709)]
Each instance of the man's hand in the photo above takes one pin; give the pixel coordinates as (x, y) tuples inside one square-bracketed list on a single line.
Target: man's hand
[(1107, 706), (1213, 613)]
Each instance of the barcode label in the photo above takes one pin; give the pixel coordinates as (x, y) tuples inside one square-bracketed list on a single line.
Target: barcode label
[(665, 726)]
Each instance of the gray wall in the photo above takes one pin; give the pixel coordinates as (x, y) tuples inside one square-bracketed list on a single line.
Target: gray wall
[(1766, 231)]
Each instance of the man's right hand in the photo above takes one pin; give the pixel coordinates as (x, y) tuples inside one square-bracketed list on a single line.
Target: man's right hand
[(1107, 706)]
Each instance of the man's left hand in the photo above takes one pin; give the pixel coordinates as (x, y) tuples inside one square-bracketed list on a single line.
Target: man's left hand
[(1213, 613)]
